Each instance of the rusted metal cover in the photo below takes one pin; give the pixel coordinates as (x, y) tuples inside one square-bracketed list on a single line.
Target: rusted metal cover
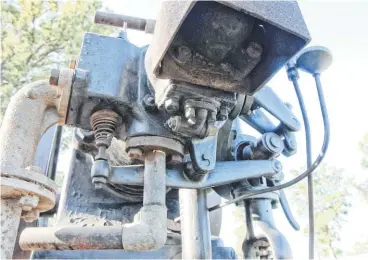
[(264, 35)]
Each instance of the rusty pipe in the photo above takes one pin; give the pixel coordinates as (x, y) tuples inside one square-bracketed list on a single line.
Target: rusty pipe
[(31, 111), (148, 233), (119, 20)]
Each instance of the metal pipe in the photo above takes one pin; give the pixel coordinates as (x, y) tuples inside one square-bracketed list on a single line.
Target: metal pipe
[(31, 111), (71, 238), (149, 233), (119, 20), (195, 225), (23, 124), (10, 217)]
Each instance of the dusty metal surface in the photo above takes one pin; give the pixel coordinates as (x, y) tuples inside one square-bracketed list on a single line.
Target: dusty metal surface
[(245, 43), (10, 217)]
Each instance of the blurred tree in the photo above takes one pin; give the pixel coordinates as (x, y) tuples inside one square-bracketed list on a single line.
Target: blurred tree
[(38, 34), (362, 186), (331, 207), (363, 146)]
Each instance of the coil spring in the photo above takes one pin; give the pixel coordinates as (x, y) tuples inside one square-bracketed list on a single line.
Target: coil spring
[(104, 123)]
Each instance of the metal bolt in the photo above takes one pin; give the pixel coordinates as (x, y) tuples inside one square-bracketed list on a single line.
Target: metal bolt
[(30, 216), (277, 166), (212, 117), (184, 54), (275, 141), (149, 103), (171, 104), (80, 75), (135, 153), (174, 122), (223, 114), (28, 202), (254, 50), (54, 77), (190, 114)]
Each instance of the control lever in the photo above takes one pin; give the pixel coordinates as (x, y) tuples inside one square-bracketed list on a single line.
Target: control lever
[(268, 100)]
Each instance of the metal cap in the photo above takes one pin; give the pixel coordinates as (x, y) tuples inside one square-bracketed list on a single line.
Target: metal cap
[(314, 59)]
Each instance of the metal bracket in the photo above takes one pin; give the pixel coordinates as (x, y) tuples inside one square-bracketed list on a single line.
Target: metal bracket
[(203, 153)]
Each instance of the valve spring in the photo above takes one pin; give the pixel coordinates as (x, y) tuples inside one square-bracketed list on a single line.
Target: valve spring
[(104, 123)]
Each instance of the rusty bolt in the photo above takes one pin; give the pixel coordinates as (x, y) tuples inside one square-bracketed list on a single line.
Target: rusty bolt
[(171, 104), (54, 77), (135, 153), (30, 216), (28, 202)]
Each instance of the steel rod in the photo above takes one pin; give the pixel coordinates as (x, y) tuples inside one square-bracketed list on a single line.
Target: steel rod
[(195, 224)]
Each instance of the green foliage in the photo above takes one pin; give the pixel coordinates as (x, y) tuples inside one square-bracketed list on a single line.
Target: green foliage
[(331, 207), (38, 34)]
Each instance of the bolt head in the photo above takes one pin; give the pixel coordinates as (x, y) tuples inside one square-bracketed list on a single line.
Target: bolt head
[(275, 141), (254, 50), (171, 104), (184, 54), (135, 153), (54, 77), (149, 103), (277, 165)]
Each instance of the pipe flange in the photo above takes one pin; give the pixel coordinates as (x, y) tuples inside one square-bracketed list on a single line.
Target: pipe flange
[(29, 183), (144, 144)]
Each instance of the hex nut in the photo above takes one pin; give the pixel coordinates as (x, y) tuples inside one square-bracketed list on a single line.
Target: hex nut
[(30, 216), (171, 104), (28, 202)]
